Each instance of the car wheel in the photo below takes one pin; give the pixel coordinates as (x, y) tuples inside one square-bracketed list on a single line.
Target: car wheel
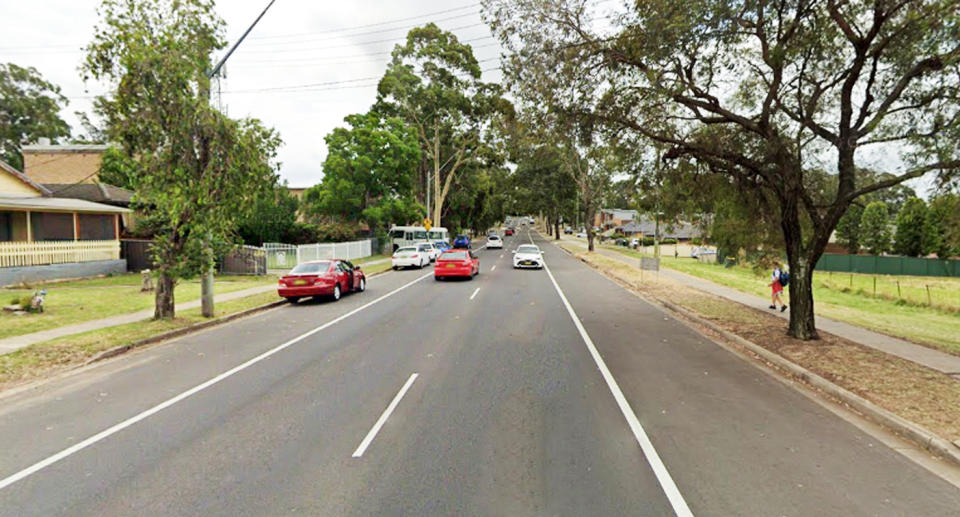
[(293, 299), (438, 278), (363, 284), (395, 268), (336, 293)]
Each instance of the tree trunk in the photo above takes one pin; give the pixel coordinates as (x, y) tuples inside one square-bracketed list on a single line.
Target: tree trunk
[(556, 228), (802, 319), (164, 308)]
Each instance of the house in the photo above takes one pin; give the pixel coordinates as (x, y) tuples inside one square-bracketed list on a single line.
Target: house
[(610, 217), (44, 237), (681, 231)]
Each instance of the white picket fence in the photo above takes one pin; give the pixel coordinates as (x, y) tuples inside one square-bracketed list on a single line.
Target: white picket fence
[(13, 254), (285, 256)]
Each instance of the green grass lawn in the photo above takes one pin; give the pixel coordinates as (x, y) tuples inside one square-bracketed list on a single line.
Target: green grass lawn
[(41, 359), (911, 319), (83, 300)]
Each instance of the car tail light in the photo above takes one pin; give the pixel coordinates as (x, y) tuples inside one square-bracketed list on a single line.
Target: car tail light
[(281, 282)]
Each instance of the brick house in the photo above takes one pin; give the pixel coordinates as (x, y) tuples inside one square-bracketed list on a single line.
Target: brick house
[(607, 218)]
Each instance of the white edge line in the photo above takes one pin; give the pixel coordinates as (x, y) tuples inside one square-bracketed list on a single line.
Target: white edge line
[(475, 291), (383, 418), (9, 480), (653, 458)]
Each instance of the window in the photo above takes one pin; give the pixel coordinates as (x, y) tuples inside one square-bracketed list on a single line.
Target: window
[(311, 267), (455, 255), (396, 234), (421, 235), (49, 226), (96, 227), (6, 227)]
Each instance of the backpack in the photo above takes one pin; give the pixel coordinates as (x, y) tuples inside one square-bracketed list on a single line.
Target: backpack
[(784, 278)]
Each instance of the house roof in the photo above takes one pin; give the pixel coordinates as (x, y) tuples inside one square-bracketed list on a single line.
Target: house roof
[(59, 204), (96, 192), (24, 178), (66, 148), (620, 213), (668, 230)]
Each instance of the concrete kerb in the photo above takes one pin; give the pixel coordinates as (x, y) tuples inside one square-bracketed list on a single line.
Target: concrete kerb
[(122, 349), (914, 432)]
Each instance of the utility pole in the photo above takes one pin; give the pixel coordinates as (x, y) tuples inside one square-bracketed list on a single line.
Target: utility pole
[(206, 283)]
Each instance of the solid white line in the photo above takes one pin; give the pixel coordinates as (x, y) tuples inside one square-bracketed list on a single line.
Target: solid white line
[(656, 464), (9, 480), (383, 418), (494, 267), (477, 290)]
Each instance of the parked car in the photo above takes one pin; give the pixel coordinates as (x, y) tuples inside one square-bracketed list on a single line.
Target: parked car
[(429, 249), (634, 243), (494, 241), (568, 230), (527, 255), (581, 235), (321, 278), (409, 256), (462, 242), (457, 263), (441, 245)]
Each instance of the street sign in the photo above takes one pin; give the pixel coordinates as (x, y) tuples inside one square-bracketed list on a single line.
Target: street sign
[(427, 223)]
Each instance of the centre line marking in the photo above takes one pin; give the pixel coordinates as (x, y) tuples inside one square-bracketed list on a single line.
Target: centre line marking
[(650, 453), (13, 478), (492, 268), (383, 418), (477, 290)]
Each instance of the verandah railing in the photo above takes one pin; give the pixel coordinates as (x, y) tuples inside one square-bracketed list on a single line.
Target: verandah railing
[(19, 254)]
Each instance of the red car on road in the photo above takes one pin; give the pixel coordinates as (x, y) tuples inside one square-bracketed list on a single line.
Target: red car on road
[(330, 278), (462, 263), (509, 231)]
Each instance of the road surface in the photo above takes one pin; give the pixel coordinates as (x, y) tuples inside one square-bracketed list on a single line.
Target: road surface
[(417, 397)]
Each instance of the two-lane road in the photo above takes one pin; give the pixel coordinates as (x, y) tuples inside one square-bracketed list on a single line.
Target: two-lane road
[(418, 397)]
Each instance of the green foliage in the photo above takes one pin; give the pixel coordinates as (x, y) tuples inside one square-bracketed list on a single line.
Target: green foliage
[(197, 169), (942, 229), (874, 228), (848, 229), (118, 169), (368, 174), (29, 109), (268, 217), (911, 220)]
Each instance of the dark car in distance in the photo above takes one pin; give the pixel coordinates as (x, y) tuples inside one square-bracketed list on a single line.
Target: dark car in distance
[(462, 242)]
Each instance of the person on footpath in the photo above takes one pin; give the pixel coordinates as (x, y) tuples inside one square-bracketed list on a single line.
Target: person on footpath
[(777, 281)]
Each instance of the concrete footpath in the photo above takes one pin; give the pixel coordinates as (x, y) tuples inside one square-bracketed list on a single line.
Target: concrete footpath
[(17, 342), (934, 359)]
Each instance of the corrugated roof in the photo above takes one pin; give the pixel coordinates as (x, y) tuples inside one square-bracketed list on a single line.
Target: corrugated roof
[(96, 192), (60, 204), (66, 148)]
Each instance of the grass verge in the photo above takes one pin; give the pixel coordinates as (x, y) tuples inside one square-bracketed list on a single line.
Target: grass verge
[(44, 359), (909, 390), (84, 300), (928, 326)]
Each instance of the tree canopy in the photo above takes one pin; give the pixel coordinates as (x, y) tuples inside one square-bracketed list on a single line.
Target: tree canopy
[(29, 109)]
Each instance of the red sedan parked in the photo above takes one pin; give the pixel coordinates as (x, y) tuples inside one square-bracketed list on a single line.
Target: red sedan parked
[(463, 263), (321, 278)]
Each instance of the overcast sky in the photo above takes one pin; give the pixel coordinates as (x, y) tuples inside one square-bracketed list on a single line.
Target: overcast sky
[(298, 42)]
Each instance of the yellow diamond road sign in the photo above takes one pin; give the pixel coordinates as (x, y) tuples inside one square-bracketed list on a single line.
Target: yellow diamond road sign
[(427, 224)]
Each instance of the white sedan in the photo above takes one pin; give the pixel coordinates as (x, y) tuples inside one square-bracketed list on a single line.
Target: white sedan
[(408, 256), (494, 241), (528, 255)]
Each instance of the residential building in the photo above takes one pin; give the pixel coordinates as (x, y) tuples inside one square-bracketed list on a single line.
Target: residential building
[(43, 237), (681, 231), (611, 217)]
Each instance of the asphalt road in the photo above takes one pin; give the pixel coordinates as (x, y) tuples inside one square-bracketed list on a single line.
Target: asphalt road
[(418, 397)]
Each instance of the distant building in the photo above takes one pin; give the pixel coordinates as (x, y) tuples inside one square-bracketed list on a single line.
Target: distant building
[(668, 230), (611, 217)]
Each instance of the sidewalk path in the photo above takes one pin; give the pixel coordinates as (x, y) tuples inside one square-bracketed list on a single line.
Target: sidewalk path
[(934, 359), (17, 342)]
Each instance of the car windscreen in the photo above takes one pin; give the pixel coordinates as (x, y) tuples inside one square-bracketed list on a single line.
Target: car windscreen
[(424, 247), (454, 255), (528, 249), (311, 267), (407, 250), (493, 238)]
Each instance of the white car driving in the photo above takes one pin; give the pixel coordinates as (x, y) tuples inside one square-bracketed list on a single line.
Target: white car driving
[(528, 255), (432, 251), (409, 256), (494, 241)]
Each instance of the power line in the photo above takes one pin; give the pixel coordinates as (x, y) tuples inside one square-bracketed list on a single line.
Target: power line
[(367, 33), (356, 44)]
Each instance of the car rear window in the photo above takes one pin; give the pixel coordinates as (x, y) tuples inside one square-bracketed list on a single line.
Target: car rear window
[(528, 249), (494, 238), (311, 267), (408, 249), (454, 255)]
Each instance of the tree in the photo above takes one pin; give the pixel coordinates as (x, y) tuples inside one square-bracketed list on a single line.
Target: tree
[(942, 229), (29, 109), (848, 229), (197, 168), (433, 82), (269, 217), (758, 91), (911, 220), (369, 172), (875, 228), (118, 169)]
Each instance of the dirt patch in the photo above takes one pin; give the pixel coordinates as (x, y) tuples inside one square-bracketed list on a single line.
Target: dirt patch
[(914, 392)]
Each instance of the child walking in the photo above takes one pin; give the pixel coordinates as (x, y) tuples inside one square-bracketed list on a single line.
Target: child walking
[(776, 288)]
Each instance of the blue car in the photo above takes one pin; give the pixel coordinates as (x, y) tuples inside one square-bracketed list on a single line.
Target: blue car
[(461, 242), (441, 245)]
